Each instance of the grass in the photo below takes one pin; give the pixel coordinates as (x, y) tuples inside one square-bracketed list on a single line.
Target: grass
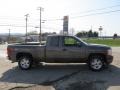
[(109, 42)]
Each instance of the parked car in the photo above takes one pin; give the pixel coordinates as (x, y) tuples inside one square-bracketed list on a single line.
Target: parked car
[(61, 49)]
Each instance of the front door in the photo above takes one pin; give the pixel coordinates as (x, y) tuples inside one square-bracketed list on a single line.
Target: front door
[(73, 50)]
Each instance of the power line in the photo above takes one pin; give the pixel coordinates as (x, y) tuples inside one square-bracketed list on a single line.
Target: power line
[(74, 17), (28, 26), (107, 12), (16, 25), (52, 19), (94, 10), (99, 9)]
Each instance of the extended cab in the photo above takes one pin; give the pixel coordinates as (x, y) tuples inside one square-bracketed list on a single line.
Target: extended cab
[(60, 49)]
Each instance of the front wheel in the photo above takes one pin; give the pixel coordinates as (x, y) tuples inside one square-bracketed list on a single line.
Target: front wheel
[(25, 62), (96, 63)]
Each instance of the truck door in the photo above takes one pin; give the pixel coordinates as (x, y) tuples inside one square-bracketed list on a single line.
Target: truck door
[(53, 52), (73, 50)]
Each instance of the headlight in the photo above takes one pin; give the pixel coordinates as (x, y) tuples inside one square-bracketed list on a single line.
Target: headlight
[(109, 51)]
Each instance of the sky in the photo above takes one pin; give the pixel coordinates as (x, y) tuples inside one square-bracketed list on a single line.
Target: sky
[(83, 15)]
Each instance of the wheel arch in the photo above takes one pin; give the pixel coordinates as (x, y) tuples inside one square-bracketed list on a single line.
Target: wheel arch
[(99, 54), (18, 55)]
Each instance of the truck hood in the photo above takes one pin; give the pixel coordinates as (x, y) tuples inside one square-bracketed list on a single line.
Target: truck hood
[(99, 46)]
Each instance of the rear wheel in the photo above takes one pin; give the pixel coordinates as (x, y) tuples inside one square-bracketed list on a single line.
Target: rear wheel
[(25, 62), (96, 63)]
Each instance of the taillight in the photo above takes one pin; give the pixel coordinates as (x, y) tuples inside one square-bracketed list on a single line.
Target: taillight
[(9, 50)]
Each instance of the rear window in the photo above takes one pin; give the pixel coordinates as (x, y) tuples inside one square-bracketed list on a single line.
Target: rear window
[(54, 41)]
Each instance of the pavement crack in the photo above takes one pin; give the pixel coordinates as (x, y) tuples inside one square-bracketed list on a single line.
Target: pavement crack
[(47, 82), (21, 87)]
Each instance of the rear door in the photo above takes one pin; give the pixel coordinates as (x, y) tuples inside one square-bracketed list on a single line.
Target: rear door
[(53, 51)]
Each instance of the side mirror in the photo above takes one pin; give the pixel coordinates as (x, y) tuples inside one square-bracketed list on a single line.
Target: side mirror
[(79, 44)]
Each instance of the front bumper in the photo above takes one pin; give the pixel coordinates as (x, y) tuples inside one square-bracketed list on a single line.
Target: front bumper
[(109, 59)]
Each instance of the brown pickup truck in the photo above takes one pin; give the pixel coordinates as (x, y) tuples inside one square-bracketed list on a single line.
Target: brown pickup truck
[(60, 49)]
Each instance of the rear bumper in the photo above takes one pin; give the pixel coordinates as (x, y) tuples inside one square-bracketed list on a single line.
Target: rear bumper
[(109, 59), (11, 59), (8, 57)]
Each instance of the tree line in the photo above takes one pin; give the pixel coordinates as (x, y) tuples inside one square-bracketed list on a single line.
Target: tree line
[(89, 33)]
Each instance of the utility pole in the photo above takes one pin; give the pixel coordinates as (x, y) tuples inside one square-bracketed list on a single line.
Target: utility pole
[(26, 19), (40, 34), (72, 31), (91, 27), (9, 37), (100, 29)]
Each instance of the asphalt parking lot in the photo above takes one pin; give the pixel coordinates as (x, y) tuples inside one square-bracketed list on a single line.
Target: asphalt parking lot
[(59, 76)]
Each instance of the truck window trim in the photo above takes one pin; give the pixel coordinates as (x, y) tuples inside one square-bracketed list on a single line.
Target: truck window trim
[(63, 41)]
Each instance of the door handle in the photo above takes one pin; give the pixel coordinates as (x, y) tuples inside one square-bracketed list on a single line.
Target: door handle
[(64, 49)]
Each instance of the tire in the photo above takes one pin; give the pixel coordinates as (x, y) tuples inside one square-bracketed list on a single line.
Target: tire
[(96, 63), (25, 62)]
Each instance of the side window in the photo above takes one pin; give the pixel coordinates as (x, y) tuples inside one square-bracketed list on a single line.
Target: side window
[(70, 41), (54, 41)]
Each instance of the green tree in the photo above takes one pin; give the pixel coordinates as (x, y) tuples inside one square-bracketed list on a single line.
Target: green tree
[(115, 36), (95, 34), (90, 33), (79, 34)]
